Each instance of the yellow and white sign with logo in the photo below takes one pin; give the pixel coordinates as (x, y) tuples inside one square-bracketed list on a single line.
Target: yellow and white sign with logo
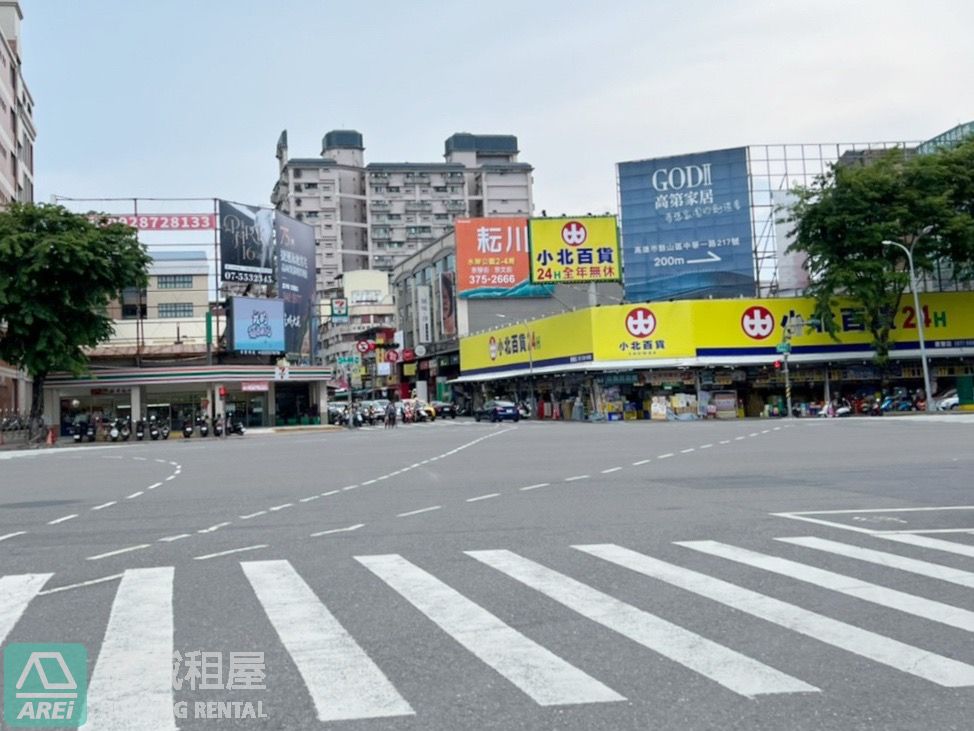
[(712, 332), (582, 249)]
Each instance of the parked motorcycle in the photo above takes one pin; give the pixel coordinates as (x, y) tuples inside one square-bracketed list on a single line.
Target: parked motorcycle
[(115, 430), (78, 432), (203, 426), (126, 429), (90, 430), (153, 429), (235, 427), (139, 430), (218, 426), (164, 430), (187, 428)]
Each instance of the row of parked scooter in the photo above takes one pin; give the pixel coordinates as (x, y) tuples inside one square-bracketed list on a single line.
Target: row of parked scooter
[(122, 429)]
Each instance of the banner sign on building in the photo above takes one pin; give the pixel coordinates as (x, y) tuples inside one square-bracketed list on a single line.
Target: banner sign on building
[(256, 325), (339, 310), (448, 305), (686, 226), (573, 250), (493, 259), (423, 314), (296, 276), (246, 243)]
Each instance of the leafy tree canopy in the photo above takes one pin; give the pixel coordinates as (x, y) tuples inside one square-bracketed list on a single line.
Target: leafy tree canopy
[(840, 221), (58, 273)]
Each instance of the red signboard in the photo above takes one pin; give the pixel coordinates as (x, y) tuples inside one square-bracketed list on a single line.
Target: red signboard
[(492, 255), (408, 354), (161, 221), (392, 356)]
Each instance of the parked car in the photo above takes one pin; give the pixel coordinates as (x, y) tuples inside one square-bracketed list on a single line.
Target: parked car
[(497, 411), (444, 409), (949, 401)]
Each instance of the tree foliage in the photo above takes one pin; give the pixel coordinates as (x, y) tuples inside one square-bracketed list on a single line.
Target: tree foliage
[(58, 273), (925, 202)]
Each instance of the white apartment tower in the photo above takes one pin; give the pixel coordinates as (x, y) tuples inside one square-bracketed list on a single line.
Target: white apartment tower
[(372, 216), (17, 132)]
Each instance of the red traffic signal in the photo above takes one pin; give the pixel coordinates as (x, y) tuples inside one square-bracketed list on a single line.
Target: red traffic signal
[(777, 365)]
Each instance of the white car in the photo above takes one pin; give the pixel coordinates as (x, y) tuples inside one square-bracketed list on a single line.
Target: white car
[(948, 400)]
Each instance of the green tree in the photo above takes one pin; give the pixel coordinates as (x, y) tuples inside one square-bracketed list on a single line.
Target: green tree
[(58, 273), (841, 220)]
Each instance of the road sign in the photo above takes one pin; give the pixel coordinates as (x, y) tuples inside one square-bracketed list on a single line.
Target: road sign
[(392, 356), (783, 348), (420, 350), (363, 346), (349, 360)]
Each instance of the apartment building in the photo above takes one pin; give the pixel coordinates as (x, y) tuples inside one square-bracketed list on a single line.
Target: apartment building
[(17, 132), (374, 215)]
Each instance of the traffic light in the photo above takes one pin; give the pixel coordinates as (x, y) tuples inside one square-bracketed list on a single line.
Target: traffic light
[(777, 365)]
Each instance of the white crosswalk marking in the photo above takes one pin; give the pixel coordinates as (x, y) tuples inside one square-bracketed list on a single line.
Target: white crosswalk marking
[(544, 676), (906, 658), (15, 594), (342, 680), (936, 544), (131, 687), (725, 666), (900, 600), (890, 560)]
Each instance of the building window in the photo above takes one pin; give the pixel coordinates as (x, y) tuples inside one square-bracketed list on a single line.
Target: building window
[(133, 304), (175, 309), (174, 281)]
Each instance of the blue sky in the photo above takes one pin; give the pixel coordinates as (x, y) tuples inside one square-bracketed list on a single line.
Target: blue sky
[(178, 98)]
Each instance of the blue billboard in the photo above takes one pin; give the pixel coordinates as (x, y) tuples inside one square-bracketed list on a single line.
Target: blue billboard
[(256, 325), (686, 226)]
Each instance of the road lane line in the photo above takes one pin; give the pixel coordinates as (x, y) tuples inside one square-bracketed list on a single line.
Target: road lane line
[(706, 446), (13, 535), (154, 486), (488, 496), (665, 456), (131, 684), (343, 682), (139, 459), (936, 544), (687, 451), (611, 470), (731, 669), (344, 489), (546, 678), (349, 529), (369, 482), (62, 519), (171, 539), (105, 505), (119, 551), (335, 492), (214, 528), (309, 499), (16, 593), (577, 477), (231, 551), (80, 585), (884, 650), (753, 434), (171, 477), (902, 601), (253, 515), (739, 439), (281, 507), (135, 495), (725, 441), (535, 487), (417, 512), (641, 462), (891, 560)]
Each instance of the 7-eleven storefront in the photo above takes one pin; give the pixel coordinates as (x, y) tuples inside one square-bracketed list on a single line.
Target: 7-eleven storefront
[(259, 395)]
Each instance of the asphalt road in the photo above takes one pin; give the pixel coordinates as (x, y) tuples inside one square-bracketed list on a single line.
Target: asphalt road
[(514, 576)]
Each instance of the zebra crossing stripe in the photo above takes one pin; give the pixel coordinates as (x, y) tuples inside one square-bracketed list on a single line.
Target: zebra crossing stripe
[(908, 603), (890, 560), (15, 594), (546, 678), (936, 544), (884, 650), (131, 686), (734, 671), (342, 680)]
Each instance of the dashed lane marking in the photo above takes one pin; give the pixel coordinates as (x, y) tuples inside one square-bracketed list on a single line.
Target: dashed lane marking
[(574, 478), (105, 505), (13, 535), (417, 512), (535, 487), (640, 462), (129, 549), (332, 531), (488, 496), (253, 515), (281, 507), (232, 550), (62, 519), (171, 539), (135, 495), (611, 470)]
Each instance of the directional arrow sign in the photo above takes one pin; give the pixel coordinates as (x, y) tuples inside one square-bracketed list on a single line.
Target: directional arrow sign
[(709, 259)]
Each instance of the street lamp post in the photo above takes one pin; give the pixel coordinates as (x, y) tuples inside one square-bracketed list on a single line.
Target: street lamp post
[(920, 320)]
